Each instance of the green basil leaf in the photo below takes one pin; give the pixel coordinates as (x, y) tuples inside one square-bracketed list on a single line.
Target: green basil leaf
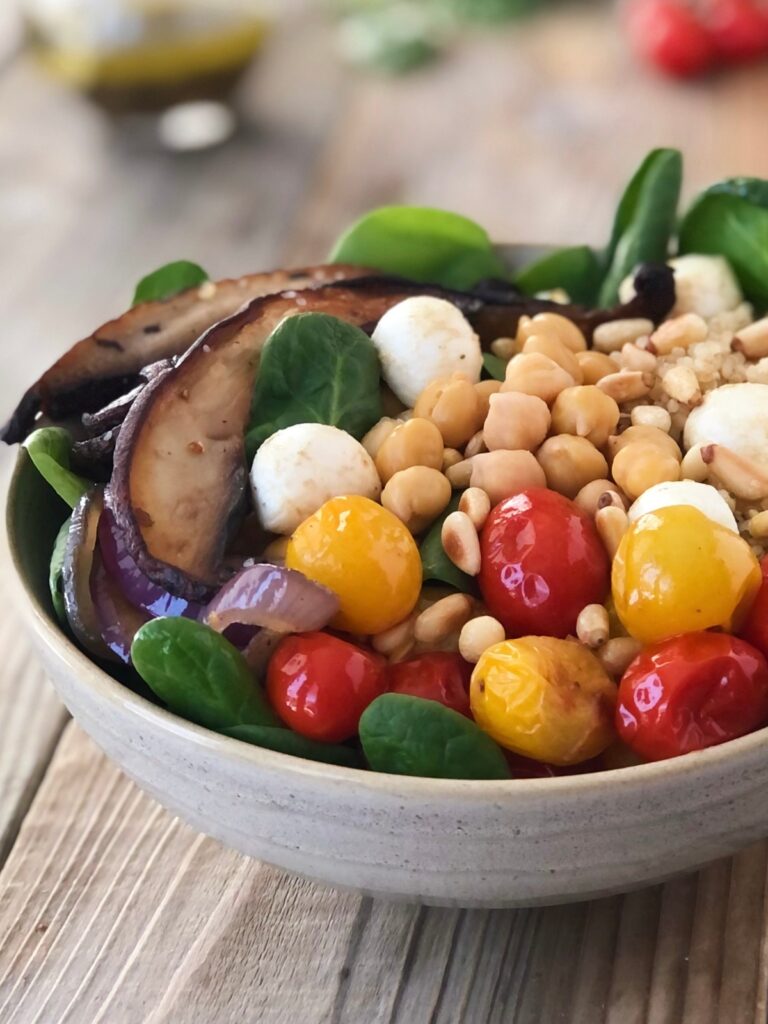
[(56, 570), (422, 244), (730, 219), (169, 280), (576, 269), (287, 742), (645, 220), (405, 735), (315, 368), (436, 566), (49, 449), (199, 675), (494, 367)]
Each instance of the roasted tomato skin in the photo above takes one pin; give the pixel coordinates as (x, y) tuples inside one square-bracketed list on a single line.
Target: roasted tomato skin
[(440, 676), (320, 685), (691, 692), (542, 562), (755, 628)]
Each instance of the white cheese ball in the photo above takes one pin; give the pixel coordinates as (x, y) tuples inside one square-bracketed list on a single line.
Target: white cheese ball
[(704, 284), (736, 416), (704, 497), (299, 468), (421, 339)]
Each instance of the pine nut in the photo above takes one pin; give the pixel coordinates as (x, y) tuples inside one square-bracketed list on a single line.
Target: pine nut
[(611, 497), (680, 332), (592, 625), (651, 416), (417, 496), (416, 442), (276, 550), (451, 457), (618, 654), (595, 365), (633, 358), (614, 335), (612, 523), (501, 474), (740, 476), (555, 350), (752, 340), (484, 389), (401, 652), (516, 422), (640, 466), (585, 411), (504, 348), (394, 637), (758, 525), (627, 385), (476, 503), (552, 325), (682, 384), (693, 466), (475, 445), (461, 543), (589, 498), (443, 618), (378, 434), (648, 435), (460, 473), (477, 635), (571, 462), (536, 374)]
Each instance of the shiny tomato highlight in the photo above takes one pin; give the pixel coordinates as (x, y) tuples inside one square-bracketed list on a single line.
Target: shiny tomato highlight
[(320, 685), (691, 692), (542, 562), (439, 676)]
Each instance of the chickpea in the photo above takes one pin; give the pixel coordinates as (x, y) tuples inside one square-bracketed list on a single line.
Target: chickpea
[(475, 445), (501, 473), (484, 389), (552, 325), (535, 374), (504, 348), (417, 442), (647, 435), (595, 365), (516, 421), (587, 412), (590, 494), (378, 434), (570, 463), (557, 351), (641, 465), (454, 406), (451, 456), (417, 496), (651, 416)]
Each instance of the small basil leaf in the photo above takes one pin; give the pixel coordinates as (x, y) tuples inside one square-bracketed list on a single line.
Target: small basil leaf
[(436, 566), (198, 674), (315, 368), (730, 219), (494, 367), (49, 449), (422, 244), (287, 742), (404, 735), (56, 570), (576, 270), (169, 280), (645, 220)]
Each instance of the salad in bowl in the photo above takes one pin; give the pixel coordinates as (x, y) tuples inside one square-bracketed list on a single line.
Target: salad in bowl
[(434, 508)]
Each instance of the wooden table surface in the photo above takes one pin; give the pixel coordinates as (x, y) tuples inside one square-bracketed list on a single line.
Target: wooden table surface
[(110, 909)]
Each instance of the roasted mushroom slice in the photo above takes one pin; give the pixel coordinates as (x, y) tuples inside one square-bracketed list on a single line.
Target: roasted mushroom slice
[(108, 363)]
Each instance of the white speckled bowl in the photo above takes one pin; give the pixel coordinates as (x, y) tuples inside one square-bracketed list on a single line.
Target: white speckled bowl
[(491, 844)]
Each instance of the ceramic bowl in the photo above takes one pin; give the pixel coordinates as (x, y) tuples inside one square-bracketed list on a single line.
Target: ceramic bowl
[(484, 844)]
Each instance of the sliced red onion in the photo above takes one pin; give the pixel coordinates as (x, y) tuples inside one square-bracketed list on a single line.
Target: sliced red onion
[(118, 619), (272, 597), (138, 590)]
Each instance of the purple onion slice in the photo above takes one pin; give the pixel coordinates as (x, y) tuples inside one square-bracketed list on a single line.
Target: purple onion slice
[(118, 619), (273, 597), (79, 556)]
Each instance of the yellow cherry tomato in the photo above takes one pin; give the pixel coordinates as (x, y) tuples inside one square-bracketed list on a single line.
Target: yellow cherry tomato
[(366, 556), (544, 698), (677, 571)]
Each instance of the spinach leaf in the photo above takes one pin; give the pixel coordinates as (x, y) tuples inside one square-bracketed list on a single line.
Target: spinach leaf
[(645, 219), (422, 244), (169, 280), (49, 449), (315, 369), (494, 367), (287, 742), (576, 269), (198, 674), (730, 219), (436, 566), (405, 735), (55, 573)]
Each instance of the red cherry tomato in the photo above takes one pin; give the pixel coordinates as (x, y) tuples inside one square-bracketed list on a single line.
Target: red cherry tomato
[(691, 692), (755, 629), (440, 676), (668, 35), (319, 685), (738, 29), (542, 561)]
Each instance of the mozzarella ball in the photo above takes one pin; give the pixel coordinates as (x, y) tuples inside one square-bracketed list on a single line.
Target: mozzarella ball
[(704, 497), (299, 468), (704, 284), (736, 416), (421, 339)]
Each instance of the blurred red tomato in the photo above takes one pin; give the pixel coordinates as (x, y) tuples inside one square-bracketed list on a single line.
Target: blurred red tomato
[(669, 35), (738, 28)]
